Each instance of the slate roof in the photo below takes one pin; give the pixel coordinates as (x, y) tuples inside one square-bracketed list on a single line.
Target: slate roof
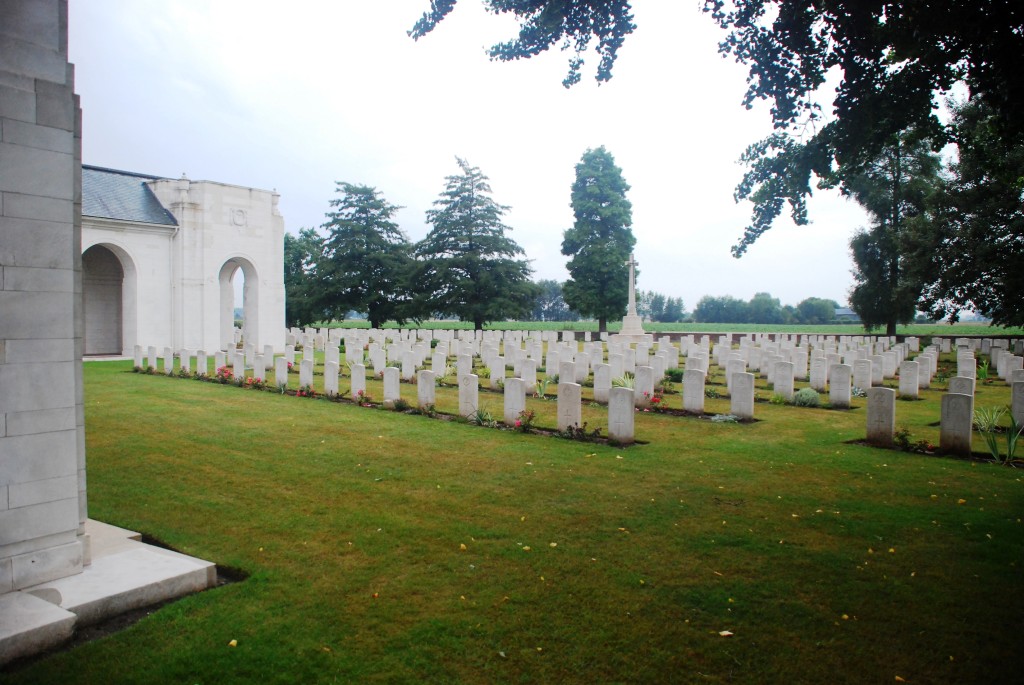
[(124, 195)]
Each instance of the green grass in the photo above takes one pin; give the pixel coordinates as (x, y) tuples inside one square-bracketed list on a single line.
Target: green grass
[(350, 522), (943, 329)]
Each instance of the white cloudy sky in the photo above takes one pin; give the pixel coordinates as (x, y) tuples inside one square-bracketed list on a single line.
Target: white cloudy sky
[(296, 96)]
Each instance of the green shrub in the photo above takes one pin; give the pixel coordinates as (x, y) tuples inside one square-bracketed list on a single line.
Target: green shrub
[(807, 397)]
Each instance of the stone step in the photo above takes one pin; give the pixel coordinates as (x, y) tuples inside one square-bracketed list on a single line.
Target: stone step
[(125, 574)]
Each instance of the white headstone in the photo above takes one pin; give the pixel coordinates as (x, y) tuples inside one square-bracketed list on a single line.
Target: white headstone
[(742, 396), (956, 424), (839, 386), (570, 410), (881, 416), (620, 415), (469, 391)]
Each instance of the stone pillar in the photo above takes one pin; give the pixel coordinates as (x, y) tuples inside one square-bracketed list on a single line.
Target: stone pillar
[(469, 394), (515, 400), (742, 396), (392, 388), (620, 415), (570, 412), (424, 389), (957, 422), (881, 419), (839, 386), (42, 434)]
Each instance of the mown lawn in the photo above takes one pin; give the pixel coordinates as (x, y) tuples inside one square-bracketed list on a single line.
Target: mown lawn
[(827, 561)]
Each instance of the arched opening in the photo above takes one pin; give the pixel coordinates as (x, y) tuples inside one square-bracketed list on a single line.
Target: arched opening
[(102, 301), (238, 267)]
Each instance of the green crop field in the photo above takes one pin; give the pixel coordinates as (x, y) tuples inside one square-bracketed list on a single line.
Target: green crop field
[(390, 547), (959, 329)]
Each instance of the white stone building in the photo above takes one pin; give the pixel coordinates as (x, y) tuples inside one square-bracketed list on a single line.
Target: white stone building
[(159, 256)]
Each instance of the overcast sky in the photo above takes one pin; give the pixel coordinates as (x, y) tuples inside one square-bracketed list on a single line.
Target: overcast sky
[(296, 96)]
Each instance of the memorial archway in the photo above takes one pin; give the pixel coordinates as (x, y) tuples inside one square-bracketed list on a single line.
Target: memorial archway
[(250, 301), (108, 300)]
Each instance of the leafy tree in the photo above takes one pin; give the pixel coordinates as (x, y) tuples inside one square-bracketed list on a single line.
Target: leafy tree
[(366, 260), (673, 311), (542, 24), (550, 305), (975, 226), (815, 310), (301, 285), (893, 189), (468, 266), (893, 59), (763, 308), (725, 309), (600, 241)]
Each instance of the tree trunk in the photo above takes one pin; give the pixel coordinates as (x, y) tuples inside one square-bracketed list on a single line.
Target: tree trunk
[(602, 325), (478, 323), (890, 328)]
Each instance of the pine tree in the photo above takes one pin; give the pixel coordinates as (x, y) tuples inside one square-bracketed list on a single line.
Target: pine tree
[(600, 241), (468, 266), (366, 259)]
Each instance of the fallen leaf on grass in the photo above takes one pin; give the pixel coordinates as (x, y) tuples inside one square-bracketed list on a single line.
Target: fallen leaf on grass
[(463, 547), (233, 643), (725, 633)]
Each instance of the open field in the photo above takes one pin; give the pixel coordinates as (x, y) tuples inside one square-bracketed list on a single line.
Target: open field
[(943, 329), (827, 561)]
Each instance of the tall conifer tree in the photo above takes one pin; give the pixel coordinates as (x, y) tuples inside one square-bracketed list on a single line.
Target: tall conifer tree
[(468, 266), (600, 241)]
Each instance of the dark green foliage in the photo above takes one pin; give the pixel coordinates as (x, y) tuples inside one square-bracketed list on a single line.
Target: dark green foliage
[(725, 309), (815, 310), (658, 307), (301, 254), (975, 226), (544, 24), (893, 189), (600, 241), (894, 59), (550, 304), (468, 266), (366, 260)]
